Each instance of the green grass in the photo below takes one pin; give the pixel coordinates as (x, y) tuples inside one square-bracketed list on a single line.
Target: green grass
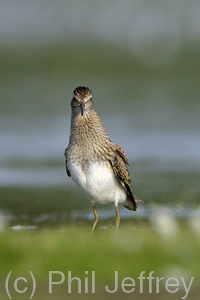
[(130, 251), (73, 248)]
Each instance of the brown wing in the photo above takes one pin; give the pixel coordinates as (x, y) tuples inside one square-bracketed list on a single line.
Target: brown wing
[(67, 170), (120, 167)]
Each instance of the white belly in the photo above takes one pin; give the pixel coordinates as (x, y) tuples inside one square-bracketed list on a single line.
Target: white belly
[(98, 182)]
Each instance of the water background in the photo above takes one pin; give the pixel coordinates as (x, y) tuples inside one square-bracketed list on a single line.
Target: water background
[(142, 62)]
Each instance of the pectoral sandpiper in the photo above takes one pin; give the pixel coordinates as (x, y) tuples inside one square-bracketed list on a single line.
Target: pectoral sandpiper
[(95, 163)]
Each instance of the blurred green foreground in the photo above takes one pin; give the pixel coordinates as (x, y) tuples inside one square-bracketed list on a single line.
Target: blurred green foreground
[(73, 249)]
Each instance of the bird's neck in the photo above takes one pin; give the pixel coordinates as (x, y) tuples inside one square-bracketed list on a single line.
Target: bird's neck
[(88, 126)]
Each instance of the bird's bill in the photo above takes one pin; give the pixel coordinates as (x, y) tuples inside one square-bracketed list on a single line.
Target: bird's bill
[(82, 108)]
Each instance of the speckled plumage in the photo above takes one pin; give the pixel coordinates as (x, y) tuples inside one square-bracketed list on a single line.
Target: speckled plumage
[(95, 163)]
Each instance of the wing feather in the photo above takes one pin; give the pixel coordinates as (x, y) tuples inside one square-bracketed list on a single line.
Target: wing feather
[(120, 168), (67, 170)]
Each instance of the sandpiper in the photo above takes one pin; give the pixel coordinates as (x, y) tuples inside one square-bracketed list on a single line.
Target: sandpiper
[(95, 163)]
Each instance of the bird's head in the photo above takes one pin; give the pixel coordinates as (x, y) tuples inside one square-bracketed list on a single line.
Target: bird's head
[(82, 100)]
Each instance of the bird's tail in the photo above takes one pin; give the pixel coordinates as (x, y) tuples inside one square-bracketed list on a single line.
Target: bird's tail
[(138, 200), (130, 205)]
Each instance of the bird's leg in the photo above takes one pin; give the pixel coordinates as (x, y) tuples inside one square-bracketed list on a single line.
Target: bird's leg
[(96, 217), (117, 219)]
